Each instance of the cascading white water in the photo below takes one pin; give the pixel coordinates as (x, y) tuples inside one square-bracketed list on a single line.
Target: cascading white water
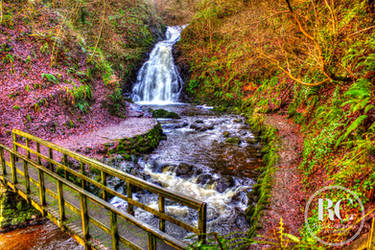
[(158, 81)]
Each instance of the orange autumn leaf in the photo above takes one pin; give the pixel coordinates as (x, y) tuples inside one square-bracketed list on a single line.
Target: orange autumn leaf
[(249, 87)]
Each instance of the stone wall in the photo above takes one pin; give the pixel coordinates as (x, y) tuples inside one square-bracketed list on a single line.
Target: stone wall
[(14, 210)]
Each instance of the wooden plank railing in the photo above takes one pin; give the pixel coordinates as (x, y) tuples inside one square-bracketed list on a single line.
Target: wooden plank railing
[(47, 152)]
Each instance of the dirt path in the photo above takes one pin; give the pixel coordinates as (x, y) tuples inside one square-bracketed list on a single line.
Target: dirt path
[(127, 128), (287, 195)]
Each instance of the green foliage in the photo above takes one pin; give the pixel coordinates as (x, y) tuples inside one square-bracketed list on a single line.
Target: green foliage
[(50, 77), (102, 65), (16, 107), (115, 103), (359, 96), (28, 117), (353, 126), (8, 59), (79, 97), (192, 85)]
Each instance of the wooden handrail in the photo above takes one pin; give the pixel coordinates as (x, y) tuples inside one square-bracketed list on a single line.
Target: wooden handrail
[(185, 200), (84, 195), (107, 171)]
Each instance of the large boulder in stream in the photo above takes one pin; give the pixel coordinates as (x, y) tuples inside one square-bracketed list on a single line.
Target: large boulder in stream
[(204, 179), (184, 169), (162, 113), (224, 183), (201, 127)]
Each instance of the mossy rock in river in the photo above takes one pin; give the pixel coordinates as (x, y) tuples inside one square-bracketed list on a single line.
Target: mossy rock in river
[(140, 144), (14, 211), (233, 140), (162, 113)]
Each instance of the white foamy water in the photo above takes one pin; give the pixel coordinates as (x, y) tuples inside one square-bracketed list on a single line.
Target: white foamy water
[(158, 81)]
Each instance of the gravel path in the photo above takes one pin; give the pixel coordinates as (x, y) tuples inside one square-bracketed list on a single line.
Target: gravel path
[(287, 195), (125, 129)]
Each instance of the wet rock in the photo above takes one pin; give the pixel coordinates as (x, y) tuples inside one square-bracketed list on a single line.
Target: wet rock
[(252, 196), (243, 132), (226, 134), (241, 221), (224, 183), (158, 166), (233, 140), (184, 169), (175, 126), (114, 160), (203, 179), (199, 121), (196, 126), (210, 127), (250, 140), (237, 197), (169, 168), (161, 113), (200, 127), (239, 120)]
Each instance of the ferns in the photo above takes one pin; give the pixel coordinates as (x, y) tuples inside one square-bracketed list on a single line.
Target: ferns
[(50, 77), (79, 97), (355, 125), (359, 96)]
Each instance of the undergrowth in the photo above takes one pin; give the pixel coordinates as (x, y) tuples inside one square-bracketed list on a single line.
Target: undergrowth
[(312, 61)]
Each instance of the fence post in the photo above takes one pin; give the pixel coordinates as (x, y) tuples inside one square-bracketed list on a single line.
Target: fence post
[(50, 154), (129, 192), (161, 210), (13, 168), (84, 217), (27, 180), (60, 193), (83, 173), (15, 147), (202, 222), (151, 241), (38, 150), (114, 231), (28, 147), (103, 176), (42, 191), (2, 161), (66, 165)]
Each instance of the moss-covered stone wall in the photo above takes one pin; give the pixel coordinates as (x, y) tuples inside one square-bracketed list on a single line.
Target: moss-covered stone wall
[(140, 144), (14, 211)]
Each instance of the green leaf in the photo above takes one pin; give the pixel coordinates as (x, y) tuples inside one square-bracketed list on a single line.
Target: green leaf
[(292, 237), (352, 127)]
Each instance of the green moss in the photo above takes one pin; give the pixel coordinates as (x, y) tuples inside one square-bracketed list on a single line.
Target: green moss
[(140, 144), (262, 189), (14, 211), (161, 113), (233, 140)]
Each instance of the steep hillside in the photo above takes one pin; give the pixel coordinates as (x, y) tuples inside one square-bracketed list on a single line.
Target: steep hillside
[(311, 61), (176, 12), (62, 63)]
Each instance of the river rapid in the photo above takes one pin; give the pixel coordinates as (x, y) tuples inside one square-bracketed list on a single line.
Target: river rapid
[(210, 157)]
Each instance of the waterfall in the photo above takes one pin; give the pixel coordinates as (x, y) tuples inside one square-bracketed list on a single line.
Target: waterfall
[(158, 81)]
